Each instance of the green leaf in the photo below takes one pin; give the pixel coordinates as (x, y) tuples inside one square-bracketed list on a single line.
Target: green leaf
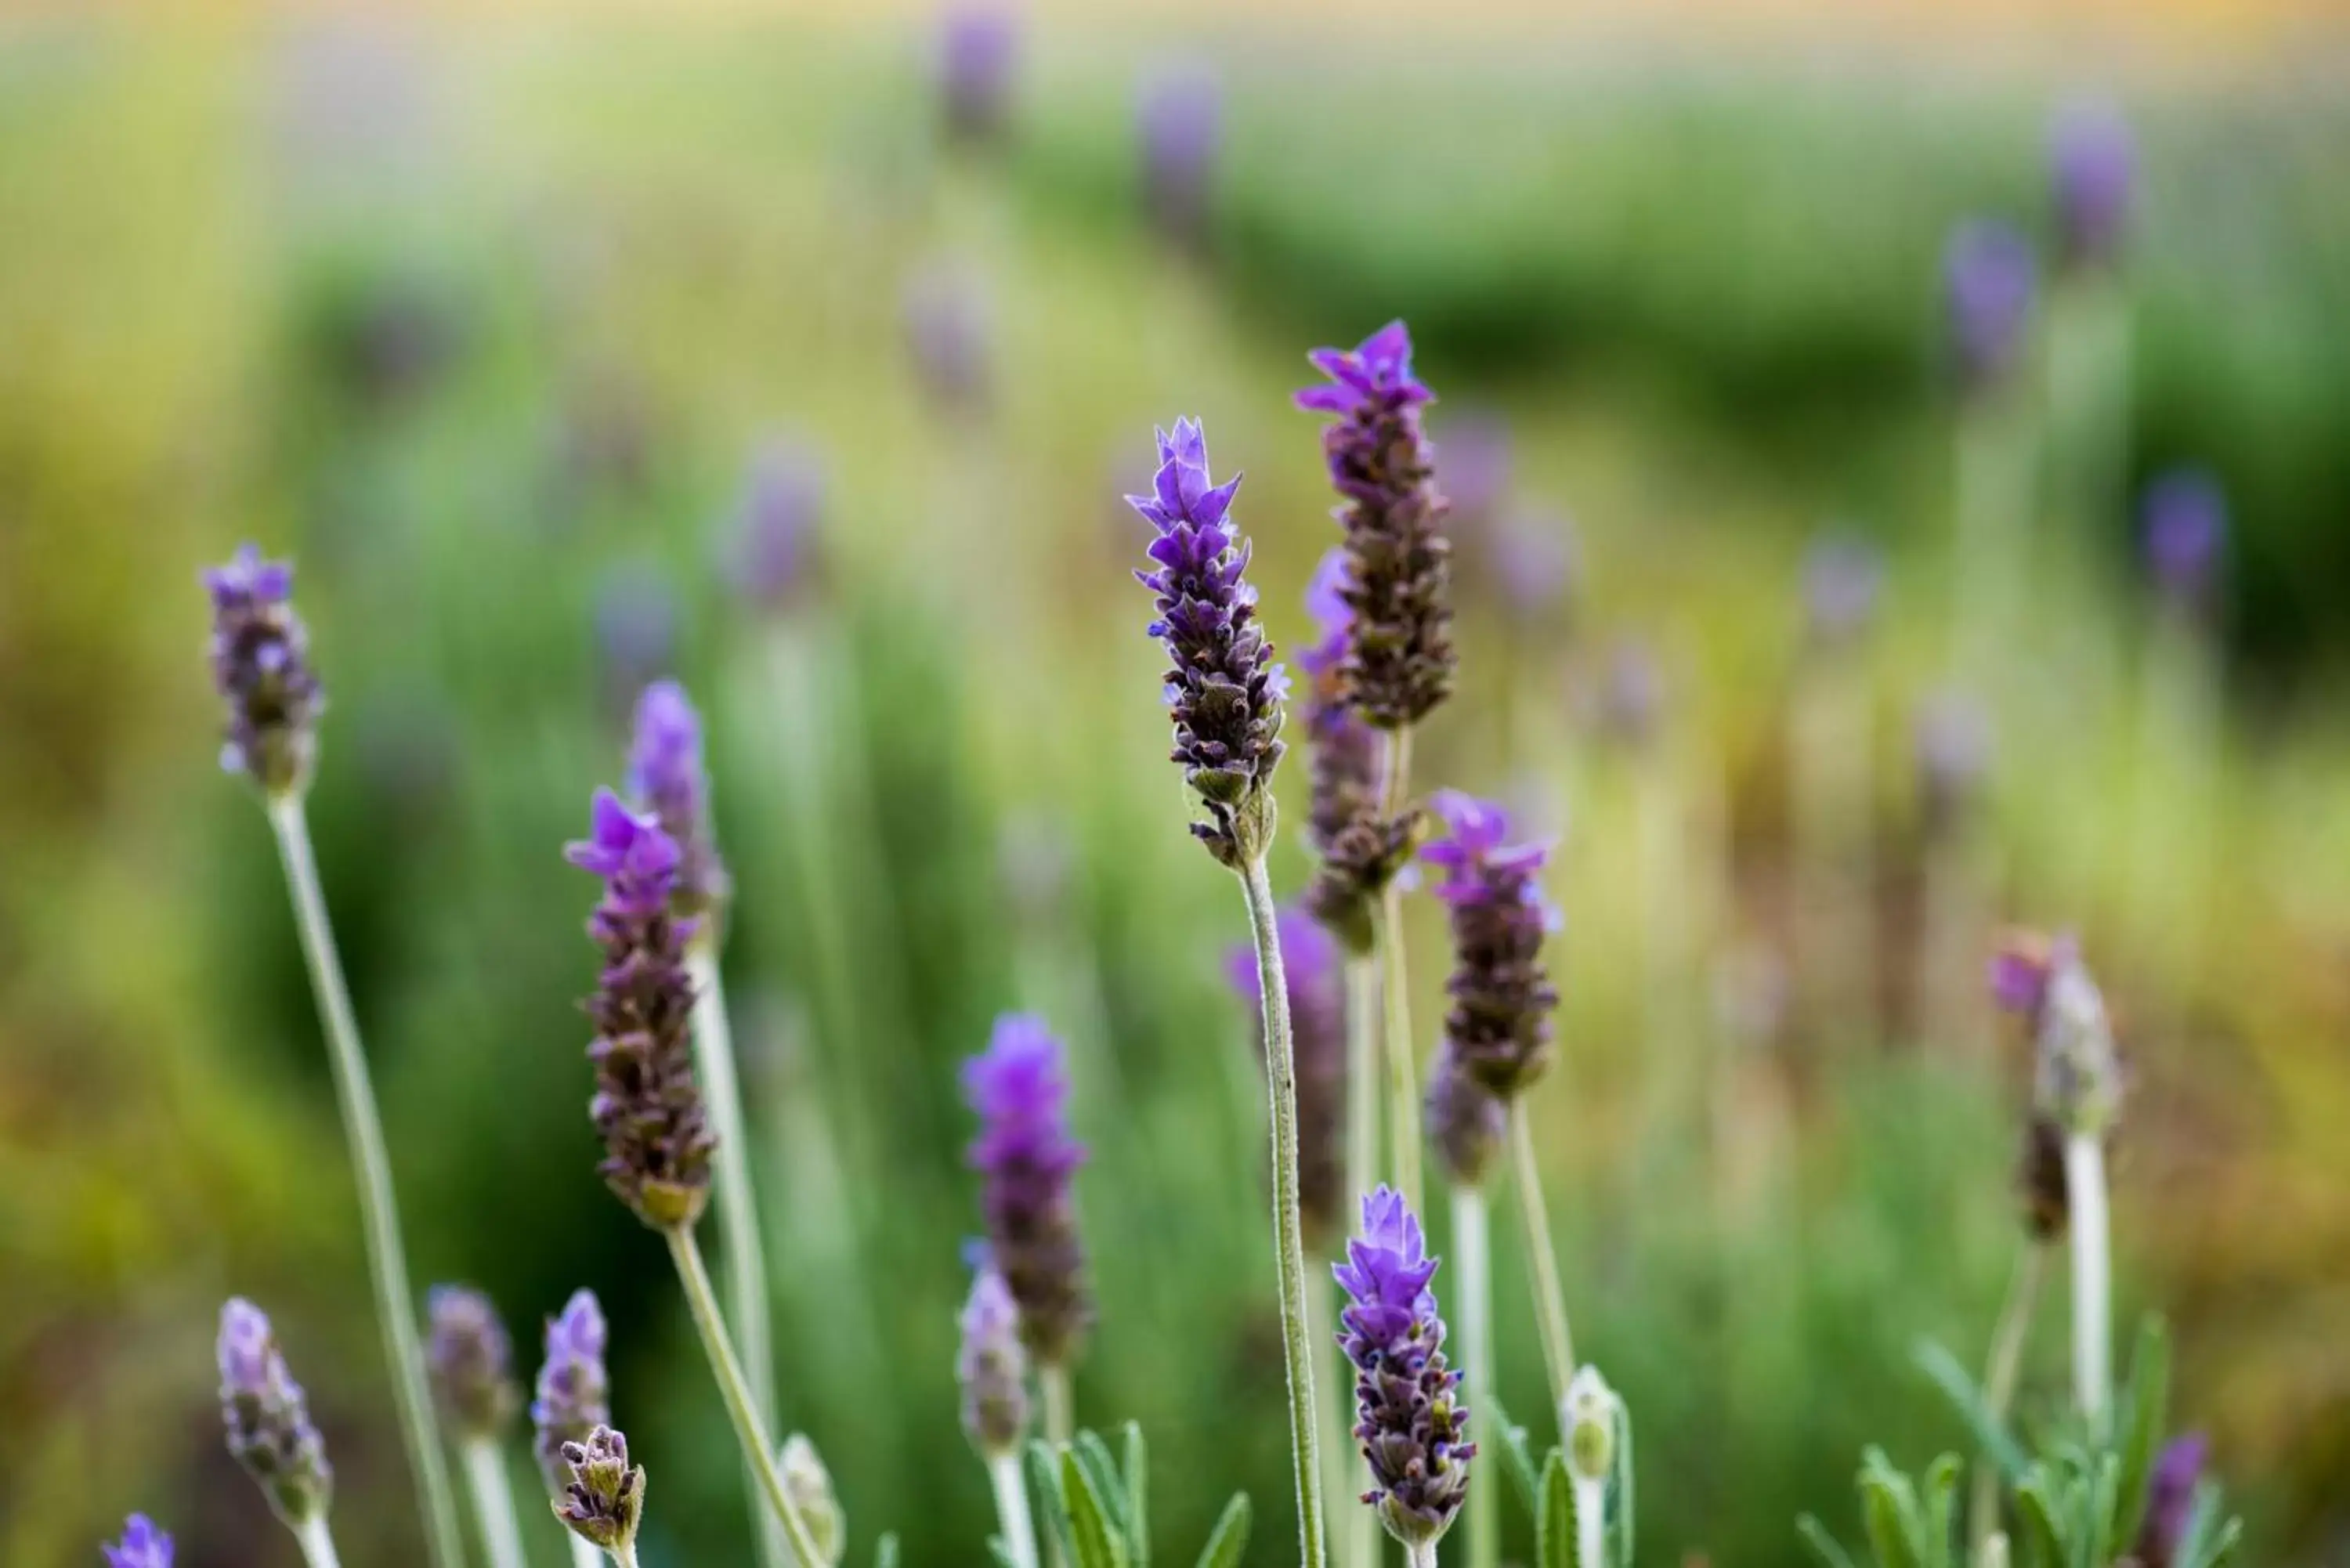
[(1516, 1458), (2095, 1546), (1137, 1496), (2148, 1412), (1555, 1521), (1093, 1457), (1095, 1538), (1888, 1512), (1230, 1538), (995, 1549), (2037, 1516), (1941, 1496), (1620, 1496), (2202, 1524), (1045, 1472), (1958, 1385), (1825, 1547), (2223, 1544), (884, 1551)]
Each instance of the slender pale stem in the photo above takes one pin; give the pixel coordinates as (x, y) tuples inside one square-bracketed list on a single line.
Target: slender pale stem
[(749, 1430), (1590, 1523), (372, 1171), (1422, 1554), (1060, 1404), (625, 1554), (2085, 1197), (494, 1505), (583, 1554), (1472, 1261), (1012, 1507), (1999, 1382), (318, 1543), (1403, 1075), (1338, 1451), (1542, 1259), (1359, 1546), (743, 1254), (1289, 1247)]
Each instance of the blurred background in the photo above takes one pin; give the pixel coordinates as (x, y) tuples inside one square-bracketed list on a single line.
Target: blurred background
[(804, 357)]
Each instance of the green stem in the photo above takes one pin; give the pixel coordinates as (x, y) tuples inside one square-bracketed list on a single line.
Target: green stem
[(738, 1214), (1542, 1258), (371, 1169), (1999, 1384), (1473, 1279), (1403, 1075), (1590, 1523), (1359, 1544), (2085, 1197), (1281, 1081), (1060, 1404), (749, 1430), (1422, 1554), (318, 1543), (493, 1506), (1012, 1507)]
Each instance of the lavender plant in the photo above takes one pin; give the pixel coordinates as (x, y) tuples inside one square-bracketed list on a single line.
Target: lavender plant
[(470, 1361), (267, 1419), (143, 1545), (1224, 695), (992, 1369), (261, 667), (603, 1497), (572, 1396)]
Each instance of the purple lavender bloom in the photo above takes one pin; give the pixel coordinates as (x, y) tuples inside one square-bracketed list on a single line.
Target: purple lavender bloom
[(261, 667), (776, 528), (470, 1361), (2077, 1078), (573, 1395), (1466, 1122), (1409, 1421), (1499, 1027), (978, 48), (2092, 168), (1028, 1162), (602, 1498), (992, 1367), (1400, 661), (1180, 116), (1317, 1022), (1533, 561), (647, 1104), (1989, 279), (1479, 463), (1843, 577), (1953, 747), (950, 333), (144, 1545), (1223, 689), (2170, 1499), (268, 1418), (2186, 516), (666, 774), (1360, 850)]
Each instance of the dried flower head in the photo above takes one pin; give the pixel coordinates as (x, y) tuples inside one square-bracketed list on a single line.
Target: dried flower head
[(268, 1418), (992, 1367), (1029, 1162), (573, 1395), (2076, 1071), (2093, 168), (1499, 1027), (261, 667), (1224, 690), (1311, 966), (667, 777), (470, 1361), (809, 1485), (602, 1498), (646, 1105), (1409, 1419), (1399, 658), (143, 1545), (1989, 279), (1466, 1122), (2186, 521)]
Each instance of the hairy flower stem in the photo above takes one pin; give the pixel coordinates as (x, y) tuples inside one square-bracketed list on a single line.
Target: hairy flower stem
[(1359, 1546), (745, 1257), (1421, 1554), (583, 1554), (371, 1173), (750, 1431), (1541, 1258), (1472, 1259), (318, 1543), (1590, 1523), (493, 1506), (1403, 1077), (1060, 1404), (1999, 1384), (1012, 1508), (1289, 1246), (2084, 1195)]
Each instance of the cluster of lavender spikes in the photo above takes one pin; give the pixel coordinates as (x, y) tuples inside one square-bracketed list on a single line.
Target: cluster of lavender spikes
[(1317, 1020), (1410, 1423), (1029, 1163)]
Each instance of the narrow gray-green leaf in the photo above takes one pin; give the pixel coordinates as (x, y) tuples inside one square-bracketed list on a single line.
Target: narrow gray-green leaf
[(1958, 1386), (1941, 1489), (1093, 1457), (1230, 1538), (1044, 1471), (1888, 1512), (1516, 1458), (1138, 1495), (1825, 1547), (884, 1551), (2147, 1414), (1620, 1512), (1555, 1542), (2043, 1547), (1096, 1540), (996, 1550)]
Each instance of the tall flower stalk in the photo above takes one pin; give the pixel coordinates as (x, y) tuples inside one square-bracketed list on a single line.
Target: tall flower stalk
[(1397, 662), (1224, 696), (261, 667), (647, 1106), (472, 1364)]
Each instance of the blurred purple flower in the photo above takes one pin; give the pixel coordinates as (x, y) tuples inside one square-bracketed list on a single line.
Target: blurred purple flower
[(1311, 965), (2093, 168), (1410, 1423), (2077, 1076), (573, 1393), (143, 1546), (950, 332), (666, 774), (1028, 1163), (776, 535), (470, 1361), (1989, 280), (1359, 850), (1465, 1122), (2170, 1499), (636, 619), (978, 49), (261, 667), (1953, 744), (1479, 460), (1843, 577), (992, 1367), (2186, 520), (268, 1418), (1631, 692), (1499, 1027), (1178, 116), (602, 1496), (1534, 561)]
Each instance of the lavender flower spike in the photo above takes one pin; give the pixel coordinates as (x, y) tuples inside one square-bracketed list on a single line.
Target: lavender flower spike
[(1499, 1029), (268, 1418), (1361, 851), (1410, 1423), (143, 1546), (992, 1367), (2186, 533), (603, 1496), (1988, 281), (666, 774), (2170, 1499), (2076, 1071), (573, 1395), (2093, 166), (261, 666), (647, 1104), (1466, 1122), (1019, 1089), (1317, 1020), (471, 1360), (1400, 661), (1223, 689)]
